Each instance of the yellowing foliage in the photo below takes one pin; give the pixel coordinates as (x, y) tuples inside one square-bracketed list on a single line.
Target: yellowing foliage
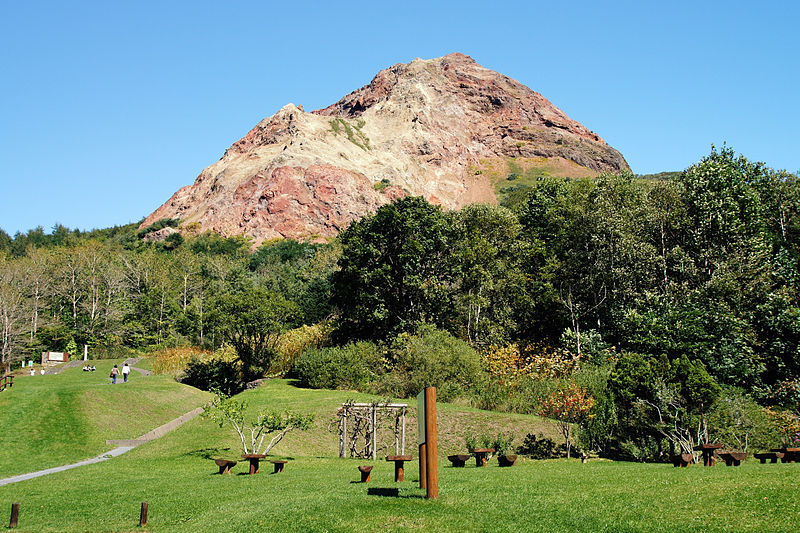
[(508, 363), (174, 360), (292, 343)]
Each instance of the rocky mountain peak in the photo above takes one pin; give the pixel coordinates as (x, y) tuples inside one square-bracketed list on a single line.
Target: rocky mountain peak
[(445, 128)]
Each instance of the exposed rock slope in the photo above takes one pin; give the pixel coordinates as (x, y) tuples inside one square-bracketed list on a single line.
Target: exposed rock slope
[(424, 128)]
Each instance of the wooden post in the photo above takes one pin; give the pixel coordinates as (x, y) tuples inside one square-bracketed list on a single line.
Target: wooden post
[(14, 515), (143, 515), (431, 440), (403, 434), (343, 436), (374, 433)]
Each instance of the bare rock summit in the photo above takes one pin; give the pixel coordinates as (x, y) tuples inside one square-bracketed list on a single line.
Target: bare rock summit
[(446, 129)]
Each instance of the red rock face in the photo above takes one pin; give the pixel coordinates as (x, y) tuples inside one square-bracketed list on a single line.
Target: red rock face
[(419, 128)]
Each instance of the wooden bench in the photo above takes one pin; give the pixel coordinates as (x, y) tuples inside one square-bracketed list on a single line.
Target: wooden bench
[(790, 455), (684, 459), (279, 464), (225, 465), (254, 459), (733, 458), (708, 452), (366, 472), (459, 460), (398, 461), (506, 460), (480, 455), (772, 456)]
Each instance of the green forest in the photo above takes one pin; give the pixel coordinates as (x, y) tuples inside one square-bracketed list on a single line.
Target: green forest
[(648, 314)]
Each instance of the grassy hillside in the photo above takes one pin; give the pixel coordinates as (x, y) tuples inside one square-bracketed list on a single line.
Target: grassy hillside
[(317, 491), (57, 419)]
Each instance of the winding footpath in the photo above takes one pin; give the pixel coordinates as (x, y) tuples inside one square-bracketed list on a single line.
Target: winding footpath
[(122, 446)]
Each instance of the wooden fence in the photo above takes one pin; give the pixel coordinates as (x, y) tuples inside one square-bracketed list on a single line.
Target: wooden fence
[(6, 382)]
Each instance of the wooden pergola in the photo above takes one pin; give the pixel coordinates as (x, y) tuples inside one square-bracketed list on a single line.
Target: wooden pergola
[(360, 423)]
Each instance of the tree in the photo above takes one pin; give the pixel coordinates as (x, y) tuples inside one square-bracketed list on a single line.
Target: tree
[(394, 270), (568, 404), (253, 431), (13, 310), (251, 321), (487, 277)]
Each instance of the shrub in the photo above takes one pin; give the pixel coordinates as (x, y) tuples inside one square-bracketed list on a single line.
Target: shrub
[(292, 343), (353, 366), (435, 358), (174, 360), (539, 447), (219, 372)]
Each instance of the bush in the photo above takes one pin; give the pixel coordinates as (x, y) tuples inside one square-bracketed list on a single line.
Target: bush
[(214, 374), (174, 360), (539, 447), (434, 358), (292, 343), (354, 366)]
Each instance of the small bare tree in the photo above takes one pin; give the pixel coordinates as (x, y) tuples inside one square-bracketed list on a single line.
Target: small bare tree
[(252, 432)]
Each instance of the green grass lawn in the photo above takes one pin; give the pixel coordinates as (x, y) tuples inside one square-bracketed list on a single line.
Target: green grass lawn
[(54, 420), (317, 491)]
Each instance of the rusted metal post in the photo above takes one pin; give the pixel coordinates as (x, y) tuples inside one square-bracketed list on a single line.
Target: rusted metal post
[(143, 515), (431, 440), (14, 515)]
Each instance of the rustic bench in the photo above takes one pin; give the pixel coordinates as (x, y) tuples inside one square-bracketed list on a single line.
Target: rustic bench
[(708, 452), (398, 461), (772, 456), (684, 459), (366, 472), (790, 455), (506, 460), (733, 458), (279, 464), (225, 465), (480, 455), (459, 460), (254, 459)]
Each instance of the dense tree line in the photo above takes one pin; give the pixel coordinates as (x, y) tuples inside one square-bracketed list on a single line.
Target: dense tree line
[(664, 297)]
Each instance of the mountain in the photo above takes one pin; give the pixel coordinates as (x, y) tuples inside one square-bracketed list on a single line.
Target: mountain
[(447, 129)]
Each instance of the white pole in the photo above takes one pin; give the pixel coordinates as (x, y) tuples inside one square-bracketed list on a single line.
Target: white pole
[(85, 352)]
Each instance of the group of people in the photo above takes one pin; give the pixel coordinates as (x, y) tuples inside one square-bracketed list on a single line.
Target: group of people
[(89, 368), (125, 371)]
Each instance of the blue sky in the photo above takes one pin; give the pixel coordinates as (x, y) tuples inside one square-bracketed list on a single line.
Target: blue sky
[(109, 107)]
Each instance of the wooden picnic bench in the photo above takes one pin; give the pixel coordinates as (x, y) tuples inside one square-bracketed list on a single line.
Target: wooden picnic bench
[(708, 452), (279, 464), (480, 455), (772, 456), (225, 465), (790, 455), (254, 459), (682, 460), (366, 472), (459, 460), (733, 458), (398, 461), (506, 460)]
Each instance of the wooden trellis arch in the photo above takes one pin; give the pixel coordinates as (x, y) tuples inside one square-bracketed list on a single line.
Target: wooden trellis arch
[(360, 426)]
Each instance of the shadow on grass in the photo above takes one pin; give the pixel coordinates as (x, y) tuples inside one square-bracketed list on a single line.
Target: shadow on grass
[(208, 453), (390, 493)]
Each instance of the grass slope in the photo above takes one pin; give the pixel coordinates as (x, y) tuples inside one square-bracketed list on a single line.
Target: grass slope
[(54, 420), (317, 493)]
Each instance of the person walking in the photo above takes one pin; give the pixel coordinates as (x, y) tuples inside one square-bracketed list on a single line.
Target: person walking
[(114, 374), (125, 371)]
